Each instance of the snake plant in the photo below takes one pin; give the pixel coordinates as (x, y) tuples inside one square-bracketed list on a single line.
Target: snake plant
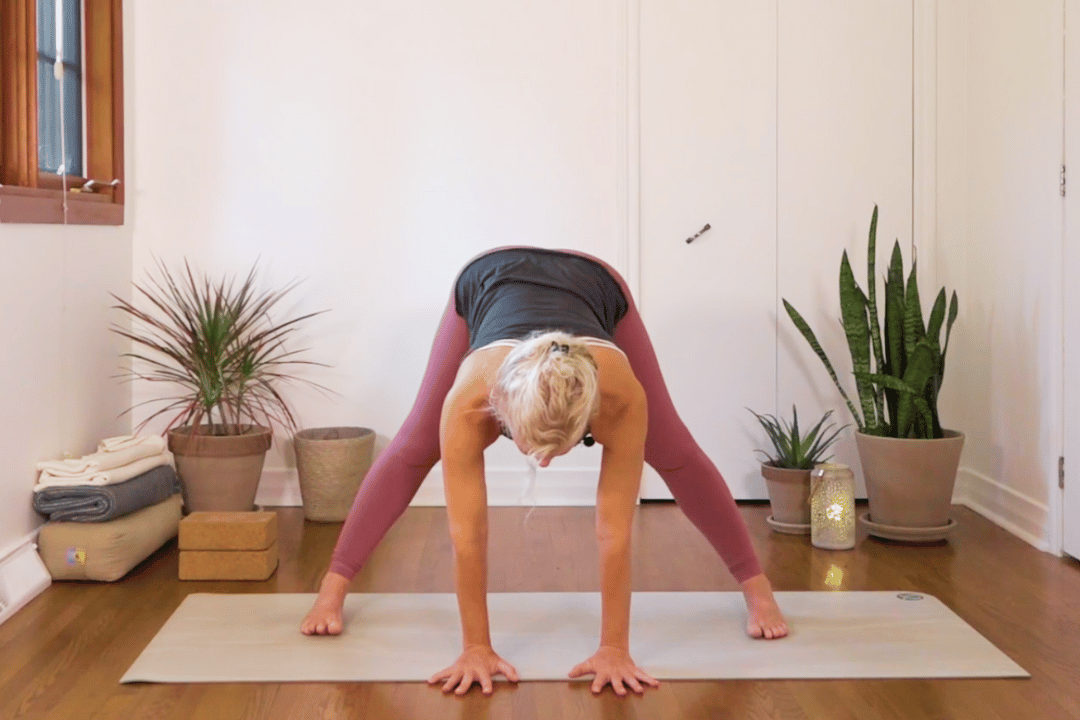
[(898, 393)]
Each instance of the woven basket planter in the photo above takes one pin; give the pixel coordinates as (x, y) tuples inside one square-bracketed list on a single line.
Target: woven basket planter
[(331, 463)]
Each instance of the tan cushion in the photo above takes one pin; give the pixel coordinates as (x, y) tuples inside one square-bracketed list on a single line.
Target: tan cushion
[(228, 564), (107, 551), (228, 531)]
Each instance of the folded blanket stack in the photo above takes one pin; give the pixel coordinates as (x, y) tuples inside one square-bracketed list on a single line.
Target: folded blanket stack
[(126, 474)]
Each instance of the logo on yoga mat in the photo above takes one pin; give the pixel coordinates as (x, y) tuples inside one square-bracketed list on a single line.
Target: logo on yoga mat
[(909, 596), (76, 556)]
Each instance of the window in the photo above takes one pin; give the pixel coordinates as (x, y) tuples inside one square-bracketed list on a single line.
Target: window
[(61, 129)]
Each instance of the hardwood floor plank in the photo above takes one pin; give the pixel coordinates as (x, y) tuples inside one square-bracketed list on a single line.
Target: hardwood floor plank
[(61, 657)]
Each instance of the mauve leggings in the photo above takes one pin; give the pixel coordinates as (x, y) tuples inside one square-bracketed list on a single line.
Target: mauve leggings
[(397, 473)]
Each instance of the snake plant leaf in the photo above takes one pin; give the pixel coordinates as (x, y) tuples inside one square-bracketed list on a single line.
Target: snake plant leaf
[(896, 359), (853, 311), (913, 322), (953, 310), (927, 418), (795, 431), (807, 333), (937, 317), (893, 383), (921, 367), (871, 295)]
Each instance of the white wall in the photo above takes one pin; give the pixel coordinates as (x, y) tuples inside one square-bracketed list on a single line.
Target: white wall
[(372, 148), (999, 246), (57, 393)]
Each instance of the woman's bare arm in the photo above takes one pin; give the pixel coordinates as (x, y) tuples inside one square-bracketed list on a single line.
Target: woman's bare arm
[(463, 436), (621, 427), (623, 440)]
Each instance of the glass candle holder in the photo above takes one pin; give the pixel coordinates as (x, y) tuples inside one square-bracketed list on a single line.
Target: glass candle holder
[(832, 507)]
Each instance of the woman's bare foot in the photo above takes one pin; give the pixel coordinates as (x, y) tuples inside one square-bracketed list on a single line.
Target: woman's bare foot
[(325, 617), (765, 621)]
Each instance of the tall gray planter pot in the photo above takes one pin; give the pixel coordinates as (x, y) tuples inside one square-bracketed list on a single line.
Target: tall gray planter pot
[(331, 463)]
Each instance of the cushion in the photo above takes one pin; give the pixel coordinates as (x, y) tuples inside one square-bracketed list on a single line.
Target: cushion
[(107, 551)]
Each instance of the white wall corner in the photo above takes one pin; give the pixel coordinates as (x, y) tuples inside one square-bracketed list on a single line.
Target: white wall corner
[(22, 577), (1028, 519), (279, 487)]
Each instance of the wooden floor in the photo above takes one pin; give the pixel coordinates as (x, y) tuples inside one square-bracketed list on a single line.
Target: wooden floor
[(62, 656)]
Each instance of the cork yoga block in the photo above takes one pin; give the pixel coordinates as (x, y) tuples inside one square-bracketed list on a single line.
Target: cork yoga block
[(228, 531), (228, 564)]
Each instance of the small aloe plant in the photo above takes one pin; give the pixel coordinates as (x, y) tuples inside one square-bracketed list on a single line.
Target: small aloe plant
[(899, 395), (792, 450)]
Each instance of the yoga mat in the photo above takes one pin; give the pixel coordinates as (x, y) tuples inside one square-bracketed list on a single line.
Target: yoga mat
[(674, 636)]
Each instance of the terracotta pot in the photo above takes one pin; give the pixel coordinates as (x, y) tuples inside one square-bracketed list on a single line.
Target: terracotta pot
[(789, 494), (219, 473), (331, 463), (909, 483)]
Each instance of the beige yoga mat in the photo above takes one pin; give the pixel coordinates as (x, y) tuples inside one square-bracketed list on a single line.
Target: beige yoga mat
[(674, 636)]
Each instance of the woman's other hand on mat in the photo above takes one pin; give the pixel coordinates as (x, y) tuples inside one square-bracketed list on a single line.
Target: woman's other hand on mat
[(613, 665), (325, 617), (477, 664)]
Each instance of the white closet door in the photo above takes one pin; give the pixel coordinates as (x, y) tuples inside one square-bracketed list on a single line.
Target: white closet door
[(844, 144), (708, 142)]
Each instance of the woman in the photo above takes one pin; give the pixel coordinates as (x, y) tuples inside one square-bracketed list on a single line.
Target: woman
[(496, 369)]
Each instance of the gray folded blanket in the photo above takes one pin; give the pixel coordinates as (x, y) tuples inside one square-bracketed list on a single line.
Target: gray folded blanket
[(99, 503)]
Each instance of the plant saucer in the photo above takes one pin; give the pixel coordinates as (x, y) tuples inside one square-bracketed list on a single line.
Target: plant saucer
[(788, 528), (907, 534)]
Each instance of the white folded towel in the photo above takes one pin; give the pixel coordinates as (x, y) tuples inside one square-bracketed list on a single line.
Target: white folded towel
[(104, 477), (104, 459), (123, 442)]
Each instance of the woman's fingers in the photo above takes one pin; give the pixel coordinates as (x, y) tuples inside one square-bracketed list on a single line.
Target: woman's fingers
[(583, 668), (441, 675), (465, 684), (508, 671), (646, 677), (452, 680)]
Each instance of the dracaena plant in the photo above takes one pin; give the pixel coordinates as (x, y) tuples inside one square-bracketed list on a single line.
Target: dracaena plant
[(216, 344), (898, 393), (792, 450)]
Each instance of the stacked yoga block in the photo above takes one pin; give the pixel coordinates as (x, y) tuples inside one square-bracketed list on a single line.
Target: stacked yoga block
[(228, 546)]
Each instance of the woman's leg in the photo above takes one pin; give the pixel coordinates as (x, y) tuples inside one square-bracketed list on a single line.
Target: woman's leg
[(395, 477), (671, 450)]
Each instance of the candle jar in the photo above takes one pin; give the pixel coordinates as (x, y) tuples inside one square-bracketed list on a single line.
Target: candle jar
[(832, 507)]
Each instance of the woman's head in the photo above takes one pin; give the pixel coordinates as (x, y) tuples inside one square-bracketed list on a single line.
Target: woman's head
[(546, 392)]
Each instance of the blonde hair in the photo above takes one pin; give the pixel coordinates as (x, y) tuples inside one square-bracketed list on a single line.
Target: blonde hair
[(546, 391)]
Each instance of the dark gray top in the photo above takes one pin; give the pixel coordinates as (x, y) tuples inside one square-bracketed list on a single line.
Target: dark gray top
[(508, 294)]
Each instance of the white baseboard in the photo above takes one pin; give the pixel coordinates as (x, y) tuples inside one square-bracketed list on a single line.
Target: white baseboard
[(1024, 517), (22, 577), (554, 487), (279, 487)]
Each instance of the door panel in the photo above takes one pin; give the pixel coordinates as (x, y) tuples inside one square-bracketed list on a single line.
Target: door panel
[(708, 142)]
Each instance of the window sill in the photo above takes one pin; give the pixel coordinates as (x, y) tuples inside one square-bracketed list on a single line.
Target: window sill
[(36, 206)]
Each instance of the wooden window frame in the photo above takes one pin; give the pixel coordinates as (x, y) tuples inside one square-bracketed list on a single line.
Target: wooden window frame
[(28, 195)]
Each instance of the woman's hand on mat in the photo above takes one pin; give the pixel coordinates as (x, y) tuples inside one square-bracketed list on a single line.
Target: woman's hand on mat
[(477, 664), (613, 665)]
